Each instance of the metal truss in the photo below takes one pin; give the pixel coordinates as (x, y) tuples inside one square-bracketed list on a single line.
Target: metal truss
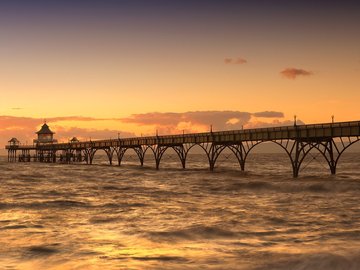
[(296, 149)]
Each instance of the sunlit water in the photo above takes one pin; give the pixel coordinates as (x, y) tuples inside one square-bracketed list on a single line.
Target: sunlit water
[(56, 216)]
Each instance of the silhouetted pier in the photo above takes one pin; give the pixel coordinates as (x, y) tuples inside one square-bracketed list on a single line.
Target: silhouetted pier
[(330, 139)]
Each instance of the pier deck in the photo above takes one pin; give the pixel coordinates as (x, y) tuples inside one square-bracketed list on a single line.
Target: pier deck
[(330, 139)]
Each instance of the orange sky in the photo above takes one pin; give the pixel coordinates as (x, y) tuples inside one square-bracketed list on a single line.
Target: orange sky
[(120, 62)]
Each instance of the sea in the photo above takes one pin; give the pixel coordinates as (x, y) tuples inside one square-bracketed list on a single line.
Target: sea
[(77, 216)]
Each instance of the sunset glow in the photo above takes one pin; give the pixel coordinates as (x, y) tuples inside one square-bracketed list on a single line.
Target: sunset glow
[(179, 134), (106, 68)]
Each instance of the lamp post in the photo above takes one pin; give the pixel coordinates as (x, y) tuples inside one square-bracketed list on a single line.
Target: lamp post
[(332, 119), (294, 120)]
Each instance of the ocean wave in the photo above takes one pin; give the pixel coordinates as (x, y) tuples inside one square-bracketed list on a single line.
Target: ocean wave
[(40, 251), (103, 219), (294, 186), (13, 227), (254, 185), (195, 232), (116, 188), (322, 261), (123, 205), (177, 219), (175, 259), (45, 204)]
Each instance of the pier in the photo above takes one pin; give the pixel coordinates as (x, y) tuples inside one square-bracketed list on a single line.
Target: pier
[(329, 139)]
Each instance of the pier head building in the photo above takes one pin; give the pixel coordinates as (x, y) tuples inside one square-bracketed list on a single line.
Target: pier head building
[(45, 135)]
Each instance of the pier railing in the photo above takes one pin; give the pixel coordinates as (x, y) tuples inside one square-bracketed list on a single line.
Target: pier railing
[(330, 139)]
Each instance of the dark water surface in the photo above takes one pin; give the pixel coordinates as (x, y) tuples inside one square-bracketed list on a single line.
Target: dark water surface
[(55, 216)]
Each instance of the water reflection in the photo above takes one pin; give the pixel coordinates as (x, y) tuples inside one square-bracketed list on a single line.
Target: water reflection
[(99, 217)]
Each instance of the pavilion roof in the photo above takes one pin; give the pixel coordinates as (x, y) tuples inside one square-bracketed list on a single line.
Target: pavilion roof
[(45, 130), (13, 140)]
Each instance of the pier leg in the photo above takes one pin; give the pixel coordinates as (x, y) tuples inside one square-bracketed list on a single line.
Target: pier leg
[(296, 165), (120, 152), (159, 151), (157, 164), (90, 153), (180, 151), (332, 162), (213, 154), (295, 172), (86, 158), (242, 166), (240, 154), (109, 152), (212, 166), (140, 153)]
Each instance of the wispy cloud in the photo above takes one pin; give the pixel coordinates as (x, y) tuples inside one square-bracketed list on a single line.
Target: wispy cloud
[(84, 134), (77, 118), (24, 128), (12, 122), (269, 114), (190, 120), (196, 121), (235, 61), (293, 73), (273, 123)]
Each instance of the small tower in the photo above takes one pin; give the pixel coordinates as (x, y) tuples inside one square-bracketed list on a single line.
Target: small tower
[(74, 140), (45, 135), (13, 142)]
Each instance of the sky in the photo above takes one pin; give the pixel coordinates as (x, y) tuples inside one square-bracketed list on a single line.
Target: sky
[(100, 69)]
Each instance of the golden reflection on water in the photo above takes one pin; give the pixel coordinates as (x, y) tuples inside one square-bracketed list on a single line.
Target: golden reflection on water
[(139, 252), (97, 217)]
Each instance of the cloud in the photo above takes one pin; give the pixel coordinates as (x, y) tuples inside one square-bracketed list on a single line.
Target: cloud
[(235, 61), (76, 118), (269, 114), (84, 134), (153, 118), (292, 73), (274, 123), (14, 121), (190, 121), (24, 128), (228, 60), (197, 121)]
